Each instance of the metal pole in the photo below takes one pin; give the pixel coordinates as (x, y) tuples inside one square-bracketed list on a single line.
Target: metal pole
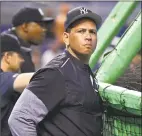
[(111, 27), (118, 60)]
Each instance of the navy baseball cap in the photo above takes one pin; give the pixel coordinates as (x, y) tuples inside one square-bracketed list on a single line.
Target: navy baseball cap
[(10, 43), (79, 13), (28, 14)]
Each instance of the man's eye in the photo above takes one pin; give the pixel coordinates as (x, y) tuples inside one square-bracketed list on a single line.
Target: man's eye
[(81, 31), (93, 32)]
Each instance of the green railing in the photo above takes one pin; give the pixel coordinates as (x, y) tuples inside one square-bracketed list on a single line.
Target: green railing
[(119, 59), (111, 27), (122, 116), (123, 111)]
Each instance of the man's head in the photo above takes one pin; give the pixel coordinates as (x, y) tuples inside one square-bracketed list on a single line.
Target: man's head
[(31, 25), (11, 54), (80, 34)]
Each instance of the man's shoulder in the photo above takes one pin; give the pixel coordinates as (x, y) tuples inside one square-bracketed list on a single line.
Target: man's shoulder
[(5, 76), (6, 82), (58, 62), (11, 33), (62, 63), (53, 66)]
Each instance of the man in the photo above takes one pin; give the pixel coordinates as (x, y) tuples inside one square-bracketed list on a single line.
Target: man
[(62, 98), (10, 81), (29, 26)]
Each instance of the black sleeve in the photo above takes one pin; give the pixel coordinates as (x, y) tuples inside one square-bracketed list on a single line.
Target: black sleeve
[(49, 86), (6, 82)]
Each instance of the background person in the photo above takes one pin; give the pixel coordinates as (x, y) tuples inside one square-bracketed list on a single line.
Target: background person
[(10, 80), (29, 26)]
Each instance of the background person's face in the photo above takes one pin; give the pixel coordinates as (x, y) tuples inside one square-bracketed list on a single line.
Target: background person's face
[(36, 33), (83, 37), (15, 61)]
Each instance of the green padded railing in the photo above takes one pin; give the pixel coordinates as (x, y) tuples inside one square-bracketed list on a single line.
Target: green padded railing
[(124, 111)]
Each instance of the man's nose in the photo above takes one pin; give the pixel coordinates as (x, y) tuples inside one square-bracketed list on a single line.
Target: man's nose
[(88, 36)]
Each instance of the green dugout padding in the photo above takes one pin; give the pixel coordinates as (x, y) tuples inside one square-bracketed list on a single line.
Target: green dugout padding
[(111, 27), (129, 102), (123, 112), (115, 63), (121, 98)]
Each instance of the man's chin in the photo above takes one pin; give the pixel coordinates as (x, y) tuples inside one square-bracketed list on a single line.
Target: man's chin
[(36, 43), (85, 54), (88, 52)]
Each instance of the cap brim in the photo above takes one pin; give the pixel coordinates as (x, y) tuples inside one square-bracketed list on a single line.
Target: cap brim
[(47, 19), (96, 18)]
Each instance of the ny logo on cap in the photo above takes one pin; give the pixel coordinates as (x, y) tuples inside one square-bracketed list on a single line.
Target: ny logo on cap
[(41, 12), (83, 10)]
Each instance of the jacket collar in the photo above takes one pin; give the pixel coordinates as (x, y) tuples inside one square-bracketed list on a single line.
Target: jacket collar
[(78, 63)]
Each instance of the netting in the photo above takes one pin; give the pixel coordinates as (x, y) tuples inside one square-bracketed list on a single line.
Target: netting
[(131, 78), (120, 123), (122, 126)]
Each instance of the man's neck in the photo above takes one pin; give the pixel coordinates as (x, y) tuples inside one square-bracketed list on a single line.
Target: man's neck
[(83, 58)]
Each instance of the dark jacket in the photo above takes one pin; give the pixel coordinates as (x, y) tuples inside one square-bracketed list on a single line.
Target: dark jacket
[(60, 100), (79, 113), (8, 99)]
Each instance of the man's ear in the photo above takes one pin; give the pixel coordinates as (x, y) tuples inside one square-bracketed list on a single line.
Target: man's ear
[(24, 27), (66, 38), (7, 57)]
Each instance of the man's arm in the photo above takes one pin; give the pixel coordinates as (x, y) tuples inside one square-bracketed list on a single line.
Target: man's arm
[(10, 82), (44, 93), (27, 113), (21, 81)]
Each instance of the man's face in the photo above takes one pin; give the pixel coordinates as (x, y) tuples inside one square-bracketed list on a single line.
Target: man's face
[(36, 32), (82, 38), (14, 61)]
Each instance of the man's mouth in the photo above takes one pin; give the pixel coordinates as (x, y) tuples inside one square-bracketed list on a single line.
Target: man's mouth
[(88, 45)]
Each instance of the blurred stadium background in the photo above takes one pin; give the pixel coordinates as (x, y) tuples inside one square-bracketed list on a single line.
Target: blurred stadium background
[(53, 43), (116, 122)]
